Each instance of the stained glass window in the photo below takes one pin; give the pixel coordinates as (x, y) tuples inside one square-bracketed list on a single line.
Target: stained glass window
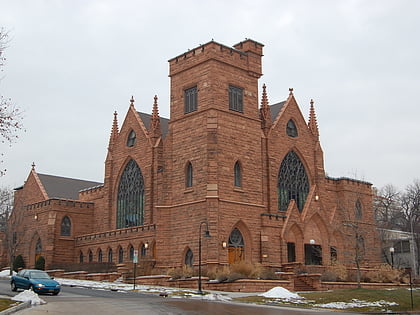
[(236, 239), (65, 226), (131, 140), (130, 208), (189, 175), (292, 182), (291, 129), (237, 174)]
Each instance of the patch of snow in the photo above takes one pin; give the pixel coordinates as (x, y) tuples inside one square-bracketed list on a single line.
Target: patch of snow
[(28, 295), (6, 273), (280, 293), (355, 303)]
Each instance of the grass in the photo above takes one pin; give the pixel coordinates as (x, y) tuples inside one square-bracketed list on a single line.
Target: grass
[(6, 303), (401, 298)]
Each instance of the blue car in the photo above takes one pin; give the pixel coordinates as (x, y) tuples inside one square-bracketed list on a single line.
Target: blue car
[(37, 280)]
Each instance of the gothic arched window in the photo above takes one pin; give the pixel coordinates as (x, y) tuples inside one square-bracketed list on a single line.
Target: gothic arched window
[(237, 174), (130, 205), (66, 226), (81, 257), (131, 140), (120, 255), (292, 182), (291, 129), (110, 255), (189, 258), (38, 246), (100, 258), (90, 256), (189, 175), (143, 252), (131, 252), (358, 210)]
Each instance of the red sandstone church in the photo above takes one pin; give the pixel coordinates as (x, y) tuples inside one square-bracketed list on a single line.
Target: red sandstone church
[(226, 161)]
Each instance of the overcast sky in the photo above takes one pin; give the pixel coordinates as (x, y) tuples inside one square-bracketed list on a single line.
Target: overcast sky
[(71, 64)]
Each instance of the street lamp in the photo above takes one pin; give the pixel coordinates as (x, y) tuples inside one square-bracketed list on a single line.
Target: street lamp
[(206, 234), (391, 250)]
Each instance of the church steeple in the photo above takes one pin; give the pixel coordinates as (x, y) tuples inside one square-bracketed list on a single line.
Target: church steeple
[(312, 123), (155, 130), (114, 131), (265, 113)]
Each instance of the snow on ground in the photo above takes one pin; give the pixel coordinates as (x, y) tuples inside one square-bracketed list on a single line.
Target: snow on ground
[(118, 286), (280, 293), (355, 303), (5, 273), (28, 295)]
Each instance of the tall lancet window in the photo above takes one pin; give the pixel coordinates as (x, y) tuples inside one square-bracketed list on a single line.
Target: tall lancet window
[(292, 182), (130, 204), (237, 174)]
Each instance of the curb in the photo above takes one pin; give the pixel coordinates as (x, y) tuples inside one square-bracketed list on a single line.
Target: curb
[(16, 308)]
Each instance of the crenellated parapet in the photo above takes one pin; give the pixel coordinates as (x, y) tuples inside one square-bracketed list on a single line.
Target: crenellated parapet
[(350, 183), (120, 234), (55, 203), (91, 191), (245, 55)]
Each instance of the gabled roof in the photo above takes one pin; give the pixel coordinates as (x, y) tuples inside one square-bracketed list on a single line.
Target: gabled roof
[(164, 122), (275, 110), (63, 187)]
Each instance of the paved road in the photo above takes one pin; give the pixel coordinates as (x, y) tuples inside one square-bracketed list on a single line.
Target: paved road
[(74, 300)]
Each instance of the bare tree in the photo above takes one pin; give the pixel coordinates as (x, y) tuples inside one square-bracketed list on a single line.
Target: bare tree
[(10, 116), (387, 207), (410, 211)]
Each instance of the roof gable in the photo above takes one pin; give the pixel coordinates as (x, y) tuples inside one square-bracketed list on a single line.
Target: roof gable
[(63, 187), (164, 122)]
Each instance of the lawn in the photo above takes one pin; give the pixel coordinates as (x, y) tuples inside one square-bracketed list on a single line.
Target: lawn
[(358, 300), (7, 303)]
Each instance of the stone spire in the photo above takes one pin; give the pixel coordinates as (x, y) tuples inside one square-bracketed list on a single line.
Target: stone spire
[(155, 121), (114, 130), (265, 113), (312, 123)]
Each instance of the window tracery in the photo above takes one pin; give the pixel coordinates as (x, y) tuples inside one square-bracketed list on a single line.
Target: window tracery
[(130, 204), (292, 182)]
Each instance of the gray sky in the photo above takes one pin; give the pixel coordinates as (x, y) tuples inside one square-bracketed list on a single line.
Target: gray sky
[(71, 64)]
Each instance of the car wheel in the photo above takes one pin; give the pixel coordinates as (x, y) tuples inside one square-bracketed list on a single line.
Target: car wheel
[(56, 292), (13, 286)]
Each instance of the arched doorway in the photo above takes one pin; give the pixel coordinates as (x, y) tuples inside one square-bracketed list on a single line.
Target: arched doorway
[(38, 249), (236, 247)]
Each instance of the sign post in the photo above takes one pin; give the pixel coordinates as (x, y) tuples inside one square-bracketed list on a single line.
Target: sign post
[(135, 261)]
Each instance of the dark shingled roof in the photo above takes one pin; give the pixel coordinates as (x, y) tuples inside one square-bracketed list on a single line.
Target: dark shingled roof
[(63, 187), (275, 110), (164, 122)]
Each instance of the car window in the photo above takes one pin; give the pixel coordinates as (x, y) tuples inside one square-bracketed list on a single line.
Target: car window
[(38, 275), (21, 273)]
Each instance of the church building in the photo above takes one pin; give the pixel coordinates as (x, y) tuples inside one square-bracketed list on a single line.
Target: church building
[(226, 164)]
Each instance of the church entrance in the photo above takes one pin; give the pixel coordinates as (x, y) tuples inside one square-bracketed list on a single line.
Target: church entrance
[(236, 246), (313, 254)]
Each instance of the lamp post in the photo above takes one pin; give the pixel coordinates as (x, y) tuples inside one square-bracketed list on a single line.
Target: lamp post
[(391, 251), (206, 234)]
